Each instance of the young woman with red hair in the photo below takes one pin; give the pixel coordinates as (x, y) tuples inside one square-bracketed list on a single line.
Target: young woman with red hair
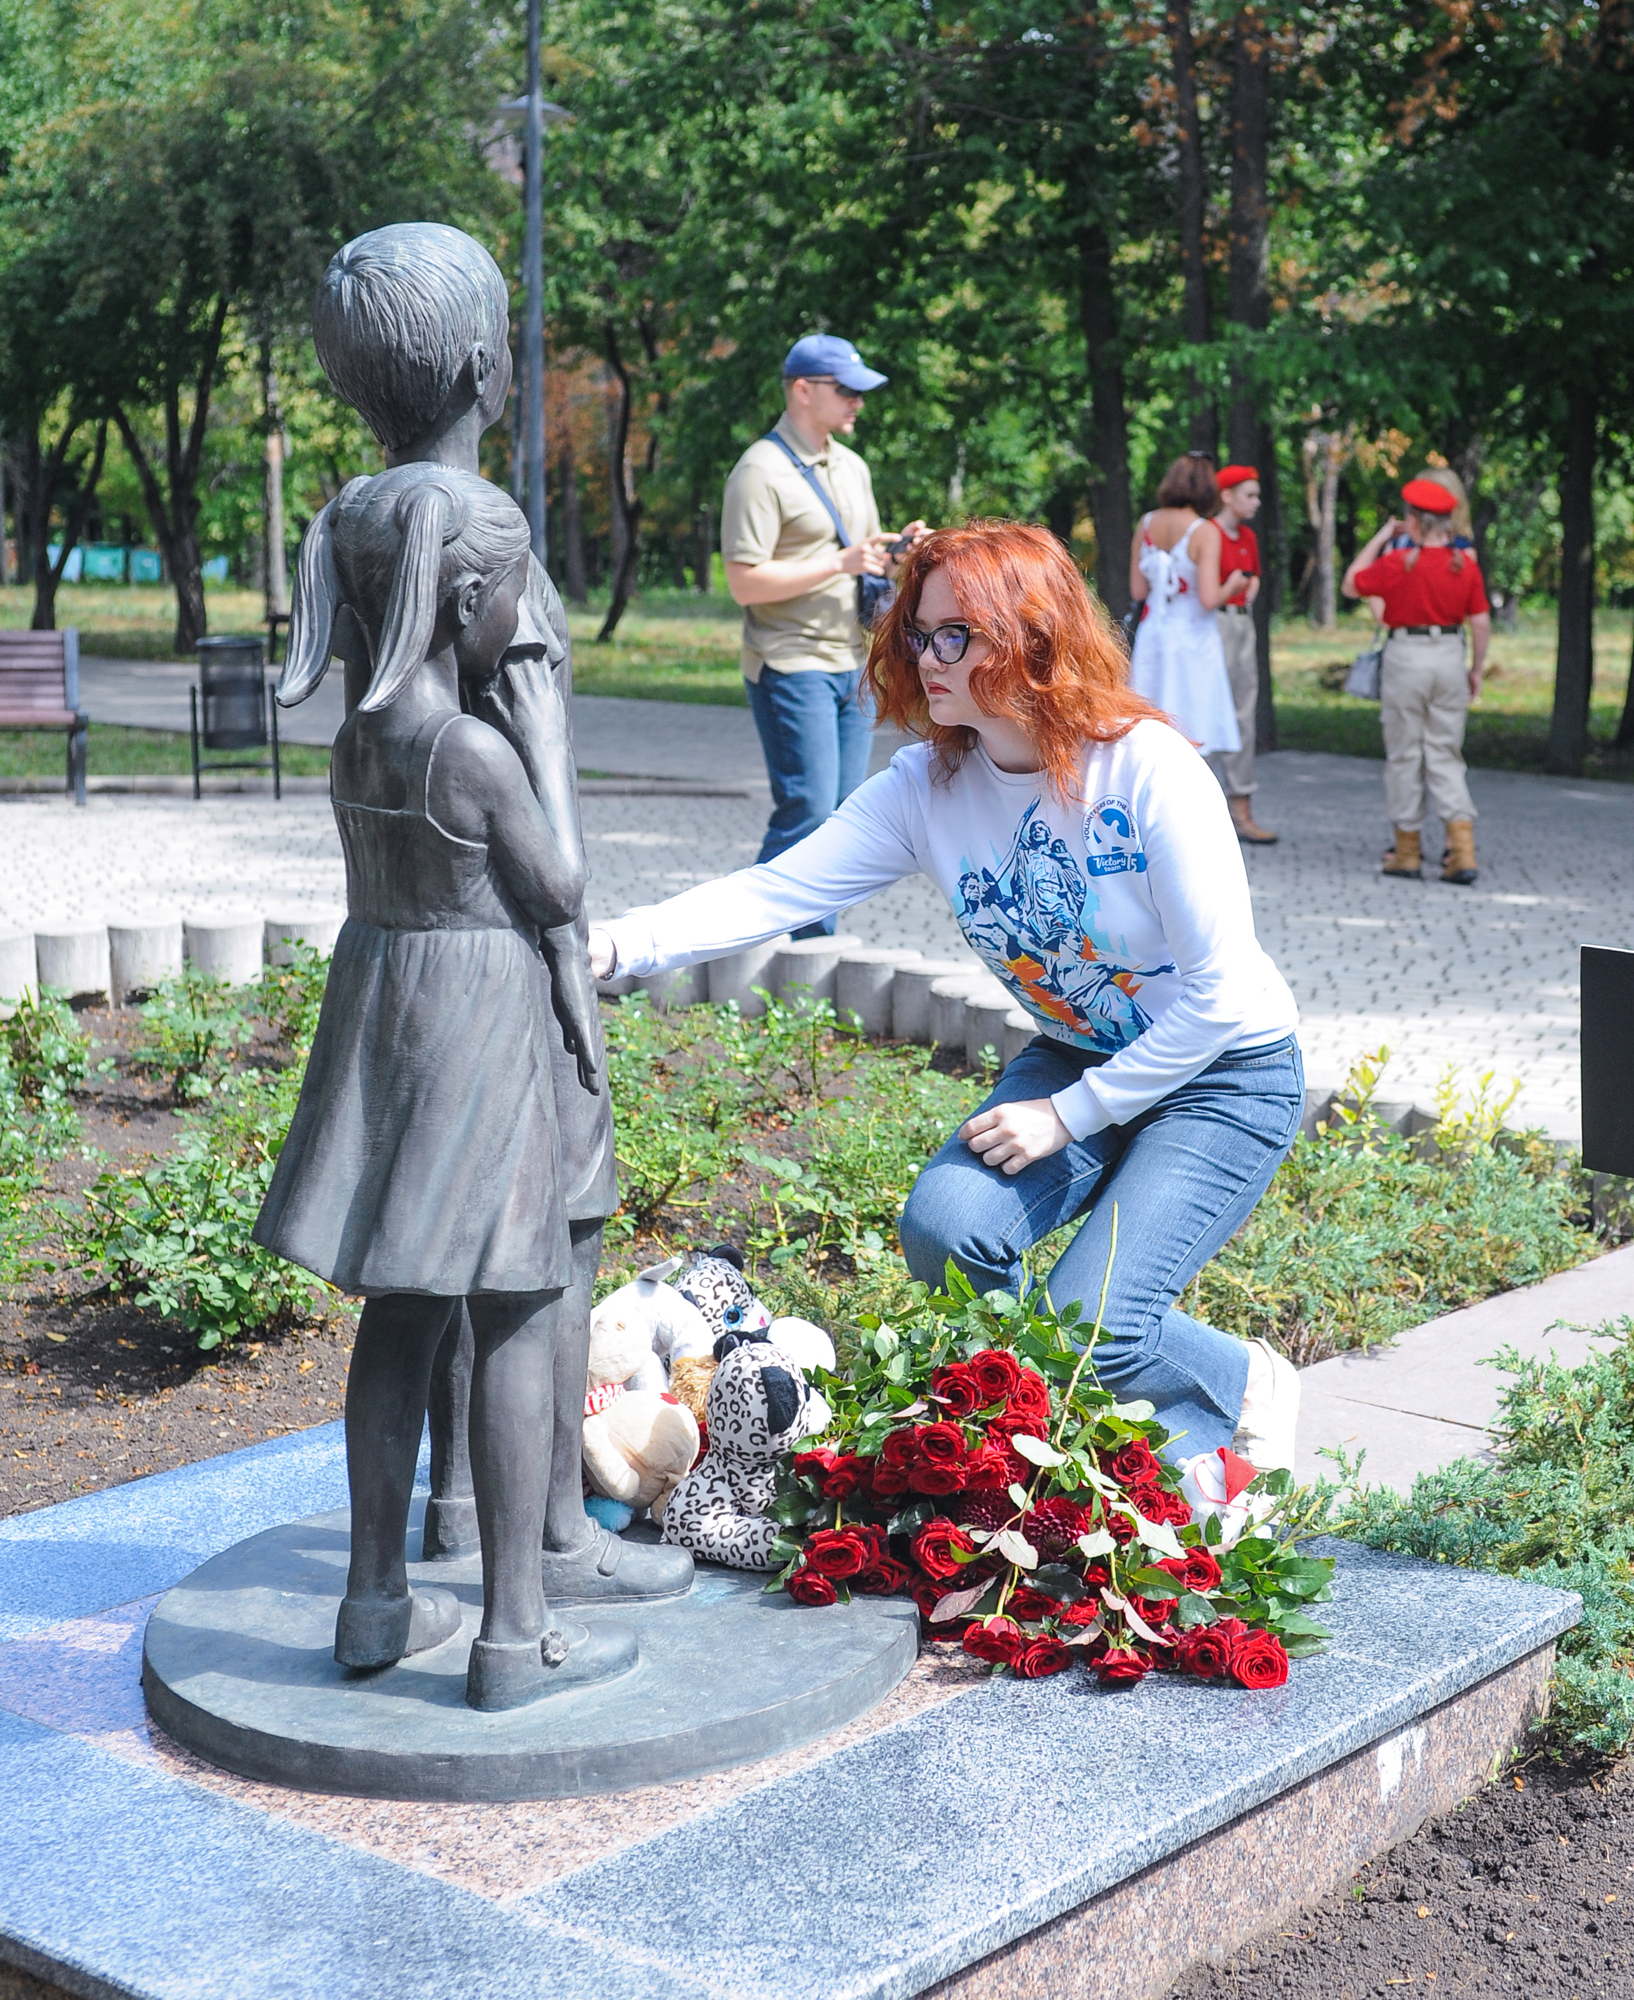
[(1089, 857)]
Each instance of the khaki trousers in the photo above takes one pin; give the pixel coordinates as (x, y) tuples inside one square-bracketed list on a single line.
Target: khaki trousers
[(1424, 698), (1236, 767)]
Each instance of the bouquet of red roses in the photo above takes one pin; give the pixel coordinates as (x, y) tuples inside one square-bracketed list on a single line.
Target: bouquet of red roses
[(976, 1463)]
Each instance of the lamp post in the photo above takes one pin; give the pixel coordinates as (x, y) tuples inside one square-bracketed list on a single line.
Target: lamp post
[(536, 114)]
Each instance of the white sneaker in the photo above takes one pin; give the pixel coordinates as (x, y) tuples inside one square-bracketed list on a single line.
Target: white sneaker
[(1270, 1417)]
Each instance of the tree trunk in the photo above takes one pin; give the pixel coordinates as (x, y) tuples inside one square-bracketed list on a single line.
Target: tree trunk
[(1574, 658), (1324, 451), (1195, 317), (176, 518), (703, 549), (626, 508), (5, 545), (1273, 564), (1108, 419), (573, 563), (277, 572), (1249, 303), (43, 476)]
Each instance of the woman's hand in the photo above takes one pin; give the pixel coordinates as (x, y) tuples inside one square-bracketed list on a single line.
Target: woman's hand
[(1013, 1136), (603, 955)]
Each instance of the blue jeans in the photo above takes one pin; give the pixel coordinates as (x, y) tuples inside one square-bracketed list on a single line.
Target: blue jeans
[(1185, 1176), (815, 729)]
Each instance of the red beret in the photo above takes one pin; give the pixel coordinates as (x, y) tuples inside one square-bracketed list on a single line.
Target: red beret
[(1428, 497), (1233, 475)]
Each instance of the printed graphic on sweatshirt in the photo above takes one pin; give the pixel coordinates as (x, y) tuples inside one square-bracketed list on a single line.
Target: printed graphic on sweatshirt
[(1034, 917)]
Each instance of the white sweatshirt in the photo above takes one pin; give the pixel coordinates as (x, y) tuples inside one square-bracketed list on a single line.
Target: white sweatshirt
[(1121, 923)]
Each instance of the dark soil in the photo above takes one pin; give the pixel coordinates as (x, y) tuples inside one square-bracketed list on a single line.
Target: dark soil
[(1527, 1888), (94, 1391)]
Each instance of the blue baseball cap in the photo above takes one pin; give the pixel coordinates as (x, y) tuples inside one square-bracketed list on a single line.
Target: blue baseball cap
[(828, 354)]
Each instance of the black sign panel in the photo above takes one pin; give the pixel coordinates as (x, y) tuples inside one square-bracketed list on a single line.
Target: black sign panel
[(1608, 1059)]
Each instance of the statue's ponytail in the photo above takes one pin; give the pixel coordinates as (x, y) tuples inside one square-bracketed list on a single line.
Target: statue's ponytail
[(429, 514), (311, 613)]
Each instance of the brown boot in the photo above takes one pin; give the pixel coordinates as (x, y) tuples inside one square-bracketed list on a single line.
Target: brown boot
[(1458, 863), (1242, 818), (1404, 858)]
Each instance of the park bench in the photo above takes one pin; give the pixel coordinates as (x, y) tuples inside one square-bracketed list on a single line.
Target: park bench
[(39, 689)]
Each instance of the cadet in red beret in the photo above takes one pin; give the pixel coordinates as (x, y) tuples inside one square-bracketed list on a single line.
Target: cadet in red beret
[(1239, 550), (1429, 591)]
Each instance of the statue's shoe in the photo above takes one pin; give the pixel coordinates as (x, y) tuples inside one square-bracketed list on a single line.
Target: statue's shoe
[(609, 1570), (377, 1631), (501, 1675)]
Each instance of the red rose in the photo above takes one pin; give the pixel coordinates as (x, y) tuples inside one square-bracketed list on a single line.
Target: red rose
[(899, 1450), (936, 1481), (1040, 1657), (1176, 1509), (996, 1639), (1029, 1402), (1055, 1526), (1098, 1575), (843, 1477), (1084, 1612), (812, 1464), (989, 1467), (884, 1577), (837, 1552), (1016, 1469), (809, 1586), (888, 1481), (933, 1548), (1195, 1570), (927, 1596), (1120, 1527), (1026, 1602), (1122, 1666), (996, 1373), (1132, 1464), (939, 1444), (1153, 1610), (957, 1389), (1206, 1650), (1258, 1660)]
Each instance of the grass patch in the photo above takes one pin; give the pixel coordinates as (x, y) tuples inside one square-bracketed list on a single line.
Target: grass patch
[(116, 752), (132, 621), (1508, 727), (1556, 1508), (670, 646)]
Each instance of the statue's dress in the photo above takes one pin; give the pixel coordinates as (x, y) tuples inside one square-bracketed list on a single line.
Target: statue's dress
[(423, 1155)]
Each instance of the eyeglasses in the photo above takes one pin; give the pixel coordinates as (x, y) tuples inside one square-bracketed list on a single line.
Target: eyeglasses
[(947, 642), (828, 382)]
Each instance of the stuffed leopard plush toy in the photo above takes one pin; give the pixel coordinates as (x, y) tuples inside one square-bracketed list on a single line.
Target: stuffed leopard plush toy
[(715, 1284), (758, 1408)]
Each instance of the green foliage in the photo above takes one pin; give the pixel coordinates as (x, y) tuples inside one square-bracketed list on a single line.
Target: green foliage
[(788, 1130), (173, 1233), (1365, 1232), (43, 1059), (194, 1025), (1556, 1508)]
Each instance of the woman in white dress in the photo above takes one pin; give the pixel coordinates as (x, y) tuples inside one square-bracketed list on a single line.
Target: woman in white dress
[(1174, 570)]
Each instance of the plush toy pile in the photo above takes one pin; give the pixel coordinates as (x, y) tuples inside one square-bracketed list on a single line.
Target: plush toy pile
[(657, 1351)]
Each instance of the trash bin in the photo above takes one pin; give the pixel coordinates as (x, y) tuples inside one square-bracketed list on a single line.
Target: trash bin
[(231, 710)]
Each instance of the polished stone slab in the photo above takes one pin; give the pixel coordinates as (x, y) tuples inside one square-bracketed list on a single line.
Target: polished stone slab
[(239, 1667), (957, 1841)]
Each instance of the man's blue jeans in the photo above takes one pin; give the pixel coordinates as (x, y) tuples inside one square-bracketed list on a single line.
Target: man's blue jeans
[(815, 729), (1184, 1176)]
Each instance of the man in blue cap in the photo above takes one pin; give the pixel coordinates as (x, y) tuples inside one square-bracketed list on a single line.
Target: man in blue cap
[(798, 529)]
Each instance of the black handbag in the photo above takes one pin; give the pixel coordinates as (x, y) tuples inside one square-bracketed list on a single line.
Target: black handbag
[(875, 594)]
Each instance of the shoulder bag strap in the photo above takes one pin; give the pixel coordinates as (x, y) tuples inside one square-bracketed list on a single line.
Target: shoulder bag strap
[(809, 475)]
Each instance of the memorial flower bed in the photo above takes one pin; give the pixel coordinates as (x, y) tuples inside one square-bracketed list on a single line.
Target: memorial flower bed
[(976, 1464)]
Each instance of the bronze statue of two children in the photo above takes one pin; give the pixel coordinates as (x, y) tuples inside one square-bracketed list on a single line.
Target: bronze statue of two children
[(451, 1156)]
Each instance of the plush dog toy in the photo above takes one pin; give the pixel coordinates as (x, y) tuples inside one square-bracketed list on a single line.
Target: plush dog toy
[(637, 1441), (758, 1408)]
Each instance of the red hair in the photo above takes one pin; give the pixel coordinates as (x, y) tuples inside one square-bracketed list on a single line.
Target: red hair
[(1057, 667)]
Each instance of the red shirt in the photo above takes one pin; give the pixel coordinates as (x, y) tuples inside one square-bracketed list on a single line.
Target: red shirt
[(1238, 551), (1432, 592)]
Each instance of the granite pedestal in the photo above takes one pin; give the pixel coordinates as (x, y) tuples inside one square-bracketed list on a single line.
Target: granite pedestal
[(967, 1836), (238, 1665)]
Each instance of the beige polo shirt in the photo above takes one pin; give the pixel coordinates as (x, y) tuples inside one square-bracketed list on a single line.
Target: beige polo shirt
[(771, 514)]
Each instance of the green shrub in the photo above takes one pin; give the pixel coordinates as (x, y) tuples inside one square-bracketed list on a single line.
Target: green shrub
[(1364, 1232), (43, 1059), (1556, 1507), (173, 1233), (193, 1027)]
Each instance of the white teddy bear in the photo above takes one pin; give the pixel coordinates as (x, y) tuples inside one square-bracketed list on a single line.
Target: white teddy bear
[(638, 1440)]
